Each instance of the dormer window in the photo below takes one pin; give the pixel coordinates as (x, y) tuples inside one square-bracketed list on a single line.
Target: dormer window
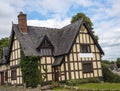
[(45, 48), (85, 48), (45, 44)]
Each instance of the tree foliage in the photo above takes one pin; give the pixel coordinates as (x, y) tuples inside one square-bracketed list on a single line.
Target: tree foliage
[(88, 21), (80, 16), (108, 76), (29, 68), (118, 62), (105, 62), (108, 62), (4, 42)]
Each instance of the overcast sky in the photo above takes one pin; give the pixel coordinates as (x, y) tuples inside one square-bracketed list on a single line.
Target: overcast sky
[(105, 15)]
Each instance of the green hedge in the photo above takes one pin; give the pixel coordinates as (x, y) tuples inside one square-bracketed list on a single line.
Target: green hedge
[(30, 72), (108, 76)]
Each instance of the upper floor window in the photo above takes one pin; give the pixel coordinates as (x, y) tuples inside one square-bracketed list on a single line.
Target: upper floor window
[(45, 44), (85, 48)]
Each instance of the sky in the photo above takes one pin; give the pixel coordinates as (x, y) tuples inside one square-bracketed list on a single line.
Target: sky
[(105, 15)]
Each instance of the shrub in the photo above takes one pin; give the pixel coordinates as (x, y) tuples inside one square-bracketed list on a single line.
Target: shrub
[(81, 81), (93, 80), (108, 76), (71, 82), (55, 84)]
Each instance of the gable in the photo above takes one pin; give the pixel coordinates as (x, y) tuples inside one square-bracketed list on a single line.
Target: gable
[(15, 52), (45, 43), (45, 48), (76, 57), (84, 38)]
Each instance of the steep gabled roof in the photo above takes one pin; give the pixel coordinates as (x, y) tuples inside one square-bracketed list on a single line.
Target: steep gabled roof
[(68, 35), (58, 61), (61, 39)]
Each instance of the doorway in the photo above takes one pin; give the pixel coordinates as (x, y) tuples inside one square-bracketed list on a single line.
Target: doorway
[(2, 78), (56, 73)]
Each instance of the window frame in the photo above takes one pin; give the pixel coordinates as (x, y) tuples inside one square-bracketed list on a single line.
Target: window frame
[(85, 48), (87, 67), (6, 75), (13, 74)]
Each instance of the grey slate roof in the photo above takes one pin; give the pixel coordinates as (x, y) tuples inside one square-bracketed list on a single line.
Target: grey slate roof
[(113, 67), (61, 39), (4, 55), (58, 61)]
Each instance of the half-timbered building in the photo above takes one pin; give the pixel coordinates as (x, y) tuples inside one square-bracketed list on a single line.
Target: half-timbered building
[(68, 53)]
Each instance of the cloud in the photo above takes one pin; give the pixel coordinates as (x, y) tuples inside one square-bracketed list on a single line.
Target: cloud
[(59, 8), (51, 23), (107, 26), (105, 15), (84, 3)]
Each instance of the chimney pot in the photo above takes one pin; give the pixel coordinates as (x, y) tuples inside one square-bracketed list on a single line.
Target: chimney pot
[(21, 12)]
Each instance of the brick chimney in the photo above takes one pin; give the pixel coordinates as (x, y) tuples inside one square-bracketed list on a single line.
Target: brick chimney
[(22, 22)]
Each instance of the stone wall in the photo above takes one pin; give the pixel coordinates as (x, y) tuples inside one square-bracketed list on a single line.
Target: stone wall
[(20, 88)]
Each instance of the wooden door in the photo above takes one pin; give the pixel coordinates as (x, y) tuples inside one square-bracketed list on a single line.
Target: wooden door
[(56, 73), (2, 78)]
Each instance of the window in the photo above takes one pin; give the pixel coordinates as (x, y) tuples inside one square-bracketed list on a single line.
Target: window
[(13, 74), (85, 48), (45, 44), (87, 67), (46, 51), (6, 75)]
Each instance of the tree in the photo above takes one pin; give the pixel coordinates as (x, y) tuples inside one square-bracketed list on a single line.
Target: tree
[(4, 42), (87, 19), (80, 16), (109, 76), (118, 62), (105, 61)]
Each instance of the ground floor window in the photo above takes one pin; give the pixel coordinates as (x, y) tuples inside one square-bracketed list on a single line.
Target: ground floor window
[(13, 74), (6, 75), (87, 67)]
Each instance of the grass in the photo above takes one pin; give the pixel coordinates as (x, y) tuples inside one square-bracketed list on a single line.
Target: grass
[(4, 86), (95, 86), (61, 89), (108, 86)]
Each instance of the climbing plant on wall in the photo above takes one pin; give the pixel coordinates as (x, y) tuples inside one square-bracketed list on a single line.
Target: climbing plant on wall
[(29, 68), (42, 76)]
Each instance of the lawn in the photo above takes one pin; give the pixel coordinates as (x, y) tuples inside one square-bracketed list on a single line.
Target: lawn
[(107, 86), (61, 89)]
